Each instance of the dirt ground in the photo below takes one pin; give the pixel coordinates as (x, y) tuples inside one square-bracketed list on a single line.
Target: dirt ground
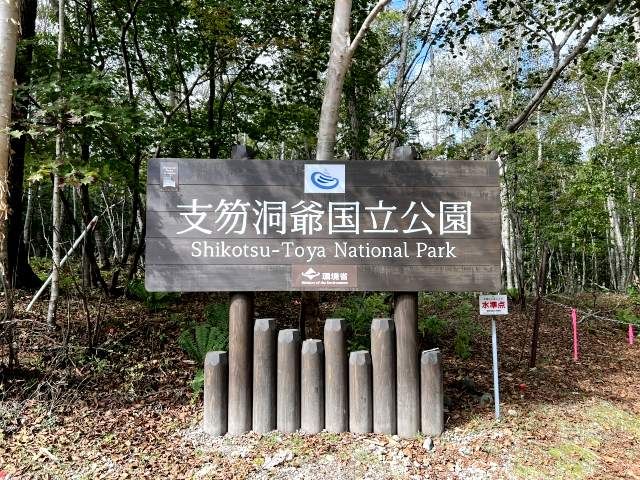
[(128, 411)]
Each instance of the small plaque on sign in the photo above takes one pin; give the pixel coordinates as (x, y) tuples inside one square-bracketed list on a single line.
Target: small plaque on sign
[(494, 305), (169, 176), (324, 277)]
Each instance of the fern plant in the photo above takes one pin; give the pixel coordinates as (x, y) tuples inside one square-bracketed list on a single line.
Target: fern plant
[(202, 338), (198, 339)]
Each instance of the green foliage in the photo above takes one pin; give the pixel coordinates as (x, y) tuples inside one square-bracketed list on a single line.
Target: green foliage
[(514, 294), (466, 329), (198, 339), (433, 327), (453, 317), (628, 316), (154, 301), (358, 311)]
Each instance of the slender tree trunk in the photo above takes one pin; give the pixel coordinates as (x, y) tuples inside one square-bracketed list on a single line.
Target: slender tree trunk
[(540, 288), (211, 104), (9, 21), (339, 62), (135, 205), (55, 198), (26, 231), (352, 108), (400, 80), (506, 226)]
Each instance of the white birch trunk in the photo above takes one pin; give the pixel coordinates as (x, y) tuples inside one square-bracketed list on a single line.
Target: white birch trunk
[(339, 61), (26, 230), (9, 22), (506, 227), (55, 198), (340, 56)]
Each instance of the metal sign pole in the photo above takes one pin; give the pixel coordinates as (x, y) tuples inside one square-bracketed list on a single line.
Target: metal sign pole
[(496, 382)]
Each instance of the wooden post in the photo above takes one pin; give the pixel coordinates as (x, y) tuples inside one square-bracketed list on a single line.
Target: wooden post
[(360, 393), (312, 401), (383, 358), (288, 394), (264, 375), (240, 363), (336, 376), (216, 366), (432, 393), (408, 373)]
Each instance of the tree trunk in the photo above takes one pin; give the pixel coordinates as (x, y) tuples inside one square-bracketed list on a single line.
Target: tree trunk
[(401, 75), (21, 275), (540, 288), (55, 198), (9, 22), (26, 230), (352, 108), (339, 62)]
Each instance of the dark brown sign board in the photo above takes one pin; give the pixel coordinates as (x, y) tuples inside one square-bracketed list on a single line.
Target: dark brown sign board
[(261, 225)]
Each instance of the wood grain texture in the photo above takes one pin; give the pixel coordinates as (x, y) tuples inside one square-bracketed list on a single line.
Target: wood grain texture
[(361, 173), (208, 278)]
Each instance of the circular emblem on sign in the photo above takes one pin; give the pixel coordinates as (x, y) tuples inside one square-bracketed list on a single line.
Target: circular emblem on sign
[(324, 180)]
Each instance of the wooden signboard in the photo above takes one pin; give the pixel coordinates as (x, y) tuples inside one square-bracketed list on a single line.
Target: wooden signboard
[(254, 225)]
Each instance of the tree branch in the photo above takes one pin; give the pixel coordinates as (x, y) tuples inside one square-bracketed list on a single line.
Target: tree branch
[(366, 24), (145, 70), (517, 122)]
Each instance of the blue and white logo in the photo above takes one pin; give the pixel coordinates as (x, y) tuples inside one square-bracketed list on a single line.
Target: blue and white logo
[(321, 178)]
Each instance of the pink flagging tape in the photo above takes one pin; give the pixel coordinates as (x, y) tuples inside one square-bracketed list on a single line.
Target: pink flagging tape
[(574, 323), (630, 334)]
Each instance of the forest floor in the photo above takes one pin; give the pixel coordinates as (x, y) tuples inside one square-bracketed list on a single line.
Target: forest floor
[(128, 411)]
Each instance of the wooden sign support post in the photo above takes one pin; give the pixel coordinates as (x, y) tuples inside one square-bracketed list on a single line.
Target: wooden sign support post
[(407, 369), (383, 356), (240, 362), (264, 375)]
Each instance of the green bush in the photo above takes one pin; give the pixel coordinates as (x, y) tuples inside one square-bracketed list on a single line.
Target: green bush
[(627, 316), (432, 327), (465, 329), (358, 311), (154, 301), (453, 318), (198, 339)]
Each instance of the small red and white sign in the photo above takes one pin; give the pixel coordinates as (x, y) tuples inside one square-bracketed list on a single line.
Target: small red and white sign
[(494, 305)]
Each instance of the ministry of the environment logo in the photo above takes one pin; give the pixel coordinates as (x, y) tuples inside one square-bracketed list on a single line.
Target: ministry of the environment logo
[(321, 178)]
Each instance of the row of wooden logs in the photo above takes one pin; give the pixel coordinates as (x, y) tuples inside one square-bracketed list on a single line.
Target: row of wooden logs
[(311, 386)]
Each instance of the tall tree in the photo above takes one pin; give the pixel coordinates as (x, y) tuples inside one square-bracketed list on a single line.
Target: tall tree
[(9, 22), (55, 196), (20, 274)]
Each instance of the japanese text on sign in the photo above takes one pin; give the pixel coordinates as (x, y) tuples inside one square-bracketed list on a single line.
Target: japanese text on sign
[(305, 217), (494, 305)]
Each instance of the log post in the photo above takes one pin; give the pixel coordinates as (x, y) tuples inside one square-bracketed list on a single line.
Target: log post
[(432, 393), (288, 393), (360, 393), (408, 373), (312, 379), (336, 376), (216, 366), (264, 375), (240, 362), (383, 358)]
